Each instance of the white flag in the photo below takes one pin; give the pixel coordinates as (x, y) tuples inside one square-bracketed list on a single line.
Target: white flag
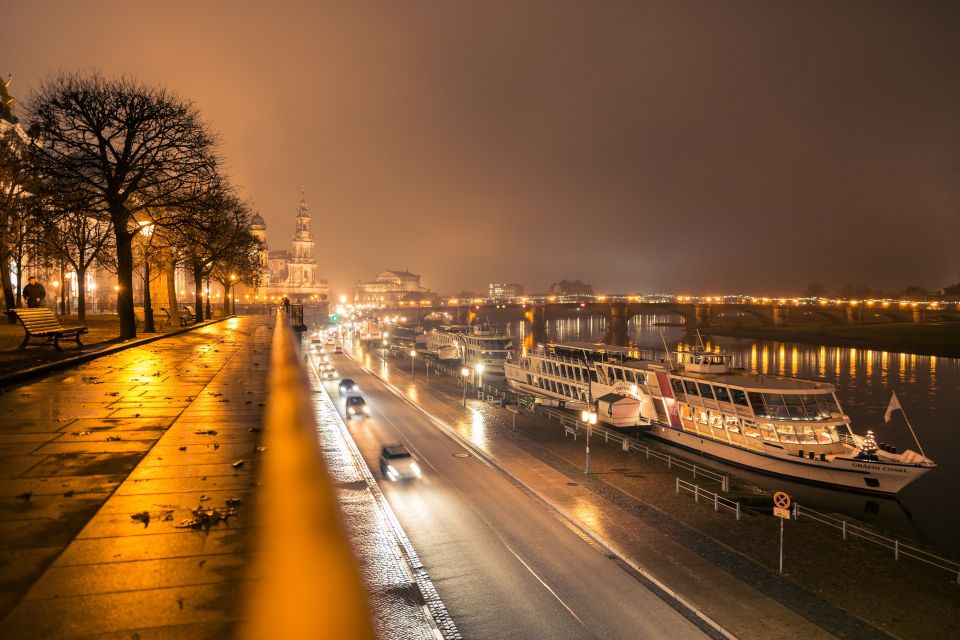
[(894, 405)]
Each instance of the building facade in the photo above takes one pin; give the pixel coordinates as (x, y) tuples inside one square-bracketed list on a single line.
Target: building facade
[(388, 288), (504, 291)]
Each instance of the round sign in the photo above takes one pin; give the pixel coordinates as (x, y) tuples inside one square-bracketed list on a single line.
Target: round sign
[(781, 500)]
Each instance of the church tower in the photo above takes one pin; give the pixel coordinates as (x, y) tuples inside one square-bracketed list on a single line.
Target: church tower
[(303, 263), (259, 229)]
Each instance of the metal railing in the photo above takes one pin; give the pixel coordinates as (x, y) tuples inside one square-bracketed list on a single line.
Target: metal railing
[(708, 496), (308, 583), (895, 545)]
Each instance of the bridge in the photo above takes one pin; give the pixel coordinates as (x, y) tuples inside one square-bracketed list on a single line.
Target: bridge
[(695, 314)]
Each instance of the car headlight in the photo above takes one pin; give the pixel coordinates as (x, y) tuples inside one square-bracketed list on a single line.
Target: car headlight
[(416, 469), (355, 388), (392, 473), (366, 410), (351, 411)]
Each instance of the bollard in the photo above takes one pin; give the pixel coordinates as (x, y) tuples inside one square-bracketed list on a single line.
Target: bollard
[(716, 502), (696, 493), (626, 445), (648, 452), (678, 486), (725, 485), (738, 511), (844, 529)]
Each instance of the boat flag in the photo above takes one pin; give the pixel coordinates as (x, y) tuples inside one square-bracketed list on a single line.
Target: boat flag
[(893, 406)]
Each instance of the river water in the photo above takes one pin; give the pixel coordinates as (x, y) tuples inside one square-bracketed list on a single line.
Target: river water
[(928, 388)]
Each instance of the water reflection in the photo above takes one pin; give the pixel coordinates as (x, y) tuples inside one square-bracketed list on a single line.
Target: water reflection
[(928, 388)]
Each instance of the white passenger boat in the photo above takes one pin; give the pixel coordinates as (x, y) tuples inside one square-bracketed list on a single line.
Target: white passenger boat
[(472, 345), (776, 425)]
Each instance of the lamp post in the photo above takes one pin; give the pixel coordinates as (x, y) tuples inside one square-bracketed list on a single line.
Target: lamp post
[(465, 372), (479, 369), (588, 418), (413, 362), (233, 297)]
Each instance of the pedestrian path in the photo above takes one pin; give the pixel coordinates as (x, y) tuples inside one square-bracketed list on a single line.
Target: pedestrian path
[(127, 488)]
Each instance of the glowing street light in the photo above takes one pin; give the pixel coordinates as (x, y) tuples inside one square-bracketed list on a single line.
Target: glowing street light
[(413, 361), (479, 369), (465, 372), (589, 418)]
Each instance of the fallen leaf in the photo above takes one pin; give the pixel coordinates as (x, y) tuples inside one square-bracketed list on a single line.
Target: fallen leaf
[(238, 463), (143, 516), (24, 496)]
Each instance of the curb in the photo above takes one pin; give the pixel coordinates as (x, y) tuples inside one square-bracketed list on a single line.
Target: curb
[(489, 460), (434, 610), (13, 379)]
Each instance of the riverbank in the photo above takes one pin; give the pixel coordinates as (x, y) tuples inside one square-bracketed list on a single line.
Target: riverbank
[(941, 339)]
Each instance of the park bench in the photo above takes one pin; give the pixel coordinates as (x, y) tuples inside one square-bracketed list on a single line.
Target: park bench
[(182, 319), (191, 314), (41, 323)]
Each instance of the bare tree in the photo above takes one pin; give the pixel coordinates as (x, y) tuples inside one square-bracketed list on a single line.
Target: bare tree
[(131, 148)]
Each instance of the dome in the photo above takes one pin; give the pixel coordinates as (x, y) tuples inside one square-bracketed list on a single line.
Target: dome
[(257, 221)]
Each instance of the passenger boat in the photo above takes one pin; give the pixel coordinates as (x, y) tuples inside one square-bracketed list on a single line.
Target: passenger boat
[(472, 345), (781, 426)]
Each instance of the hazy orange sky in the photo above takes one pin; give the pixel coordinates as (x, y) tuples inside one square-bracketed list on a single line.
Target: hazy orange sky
[(695, 146)]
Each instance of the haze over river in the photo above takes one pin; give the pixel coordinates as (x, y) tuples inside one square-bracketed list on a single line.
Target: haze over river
[(928, 388)]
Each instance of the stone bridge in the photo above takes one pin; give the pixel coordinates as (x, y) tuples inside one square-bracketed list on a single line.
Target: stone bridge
[(695, 315)]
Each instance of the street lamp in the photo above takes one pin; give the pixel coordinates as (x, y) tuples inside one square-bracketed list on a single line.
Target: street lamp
[(588, 418), (413, 361), (479, 369), (465, 372)]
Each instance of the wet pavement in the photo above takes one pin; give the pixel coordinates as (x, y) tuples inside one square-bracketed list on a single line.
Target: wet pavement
[(102, 467), (397, 586)]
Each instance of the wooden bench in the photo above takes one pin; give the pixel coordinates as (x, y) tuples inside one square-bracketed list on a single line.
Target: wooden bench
[(41, 323), (182, 320), (191, 314)]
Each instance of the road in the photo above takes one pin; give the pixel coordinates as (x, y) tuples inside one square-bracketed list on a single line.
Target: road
[(505, 564)]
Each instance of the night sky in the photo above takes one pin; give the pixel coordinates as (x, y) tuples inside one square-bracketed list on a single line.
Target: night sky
[(692, 147)]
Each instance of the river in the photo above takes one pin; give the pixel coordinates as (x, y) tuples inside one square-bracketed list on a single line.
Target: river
[(928, 388)]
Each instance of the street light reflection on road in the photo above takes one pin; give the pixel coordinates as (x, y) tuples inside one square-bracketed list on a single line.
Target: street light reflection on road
[(478, 431)]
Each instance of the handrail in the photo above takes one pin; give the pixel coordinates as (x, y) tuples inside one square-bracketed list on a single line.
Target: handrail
[(307, 581), (710, 496), (894, 544)]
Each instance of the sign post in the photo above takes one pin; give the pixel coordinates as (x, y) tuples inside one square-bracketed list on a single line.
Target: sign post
[(781, 509)]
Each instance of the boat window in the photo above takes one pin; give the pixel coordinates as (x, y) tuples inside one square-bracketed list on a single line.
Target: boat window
[(829, 405), (750, 429), (721, 393), (576, 373), (529, 381), (806, 434), (794, 406), (619, 373), (732, 423), (739, 397), (691, 387), (629, 376), (776, 407), (767, 432), (827, 435), (702, 417), (756, 400), (677, 387), (811, 408), (610, 375), (705, 390), (787, 434), (593, 375), (716, 419), (685, 412)]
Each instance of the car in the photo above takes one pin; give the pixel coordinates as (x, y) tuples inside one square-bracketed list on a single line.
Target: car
[(357, 406), (328, 372), (396, 463), (338, 349), (347, 386)]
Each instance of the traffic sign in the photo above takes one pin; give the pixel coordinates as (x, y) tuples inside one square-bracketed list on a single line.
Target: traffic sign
[(781, 500), (781, 513)]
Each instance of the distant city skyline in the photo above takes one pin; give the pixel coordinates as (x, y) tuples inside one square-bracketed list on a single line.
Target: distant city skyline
[(695, 147)]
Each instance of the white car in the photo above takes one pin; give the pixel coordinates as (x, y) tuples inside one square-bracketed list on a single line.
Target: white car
[(396, 463)]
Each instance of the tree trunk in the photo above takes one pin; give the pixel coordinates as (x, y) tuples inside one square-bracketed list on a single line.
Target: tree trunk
[(226, 297), (147, 299), (198, 295), (19, 269), (81, 295), (128, 321), (170, 270), (9, 299), (209, 308)]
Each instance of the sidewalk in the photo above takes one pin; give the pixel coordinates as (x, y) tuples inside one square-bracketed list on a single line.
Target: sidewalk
[(101, 468), (727, 569)]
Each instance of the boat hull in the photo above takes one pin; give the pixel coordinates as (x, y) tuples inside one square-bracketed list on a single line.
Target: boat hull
[(856, 475)]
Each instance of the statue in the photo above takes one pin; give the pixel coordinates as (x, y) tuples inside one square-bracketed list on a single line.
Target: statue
[(6, 102)]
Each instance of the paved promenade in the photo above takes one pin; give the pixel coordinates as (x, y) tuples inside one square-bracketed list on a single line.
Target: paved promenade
[(102, 468)]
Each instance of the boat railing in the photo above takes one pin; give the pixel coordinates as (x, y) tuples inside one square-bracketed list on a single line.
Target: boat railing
[(848, 530), (700, 493), (573, 427)]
